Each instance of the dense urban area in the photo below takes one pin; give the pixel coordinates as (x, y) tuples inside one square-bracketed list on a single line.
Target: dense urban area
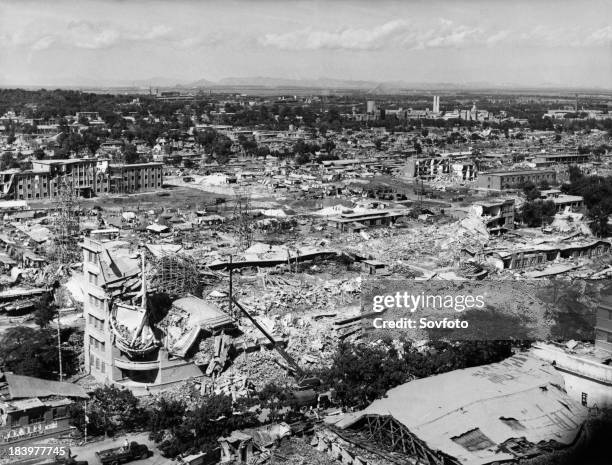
[(183, 274)]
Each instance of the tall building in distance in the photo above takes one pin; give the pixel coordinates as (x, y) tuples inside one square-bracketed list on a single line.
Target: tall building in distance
[(436, 104), (371, 107)]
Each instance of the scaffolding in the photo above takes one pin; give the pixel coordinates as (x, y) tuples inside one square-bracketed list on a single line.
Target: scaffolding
[(65, 249), (243, 219), (175, 274)]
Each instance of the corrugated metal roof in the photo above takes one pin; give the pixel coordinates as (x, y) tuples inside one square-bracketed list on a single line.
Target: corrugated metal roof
[(523, 390)]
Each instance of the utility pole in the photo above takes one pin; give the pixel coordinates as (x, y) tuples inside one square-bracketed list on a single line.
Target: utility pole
[(86, 418), (59, 346), (231, 279)]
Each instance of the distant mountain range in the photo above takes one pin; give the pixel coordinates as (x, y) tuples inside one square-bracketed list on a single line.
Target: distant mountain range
[(271, 83), (371, 87)]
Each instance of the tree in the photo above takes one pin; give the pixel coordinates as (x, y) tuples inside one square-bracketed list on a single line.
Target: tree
[(130, 154), (598, 220), (214, 418), (362, 373), (91, 141), (536, 213), (531, 191), (181, 431), (31, 352), (166, 414), (45, 310), (302, 158), (8, 161), (39, 154), (110, 410)]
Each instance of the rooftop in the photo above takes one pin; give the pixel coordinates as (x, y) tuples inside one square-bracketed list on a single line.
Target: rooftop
[(517, 172), (22, 387), (518, 397)]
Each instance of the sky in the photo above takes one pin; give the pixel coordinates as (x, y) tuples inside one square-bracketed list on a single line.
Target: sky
[(557, 43)]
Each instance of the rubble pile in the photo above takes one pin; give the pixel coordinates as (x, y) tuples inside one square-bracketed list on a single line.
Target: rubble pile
[(175, 324), (440, 242), (296, 451), (260, 368)]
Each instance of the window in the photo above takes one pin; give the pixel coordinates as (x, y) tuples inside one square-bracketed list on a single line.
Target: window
[(103, 367), (584, 399), (36, 417)]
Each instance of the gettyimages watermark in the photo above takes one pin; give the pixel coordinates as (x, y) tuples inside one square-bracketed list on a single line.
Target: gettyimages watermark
[(484, 310), (413, 303)]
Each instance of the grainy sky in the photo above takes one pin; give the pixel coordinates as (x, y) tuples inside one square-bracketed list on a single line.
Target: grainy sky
[(524, 42)]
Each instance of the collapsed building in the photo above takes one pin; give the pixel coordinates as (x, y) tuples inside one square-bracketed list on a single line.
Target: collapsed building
[(495, 413), (525, 257), (432, 167), (136, 336), (356, 221), (122, 345), (498, 215)]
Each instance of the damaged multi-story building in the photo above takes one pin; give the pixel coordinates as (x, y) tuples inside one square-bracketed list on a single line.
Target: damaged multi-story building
[(432, 167), (525, 256), (498, 215), (124, 343), (88, 177)]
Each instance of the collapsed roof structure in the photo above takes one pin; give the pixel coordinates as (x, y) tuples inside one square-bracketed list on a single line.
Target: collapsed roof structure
[(505, 411)]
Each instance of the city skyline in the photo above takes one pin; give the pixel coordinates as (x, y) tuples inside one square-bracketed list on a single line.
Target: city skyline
[(111, 42)]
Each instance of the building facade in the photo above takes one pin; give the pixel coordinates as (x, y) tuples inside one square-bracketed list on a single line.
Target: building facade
[(502, 180), (120, 345), (33, 409), (560, 159), (498, 216), (89, 177)]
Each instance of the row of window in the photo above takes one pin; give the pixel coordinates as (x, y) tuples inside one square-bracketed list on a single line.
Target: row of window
[(96, 322), (93, 278), (91, 257), (95, 362), (603, 336), (96, 302), (98, 345)]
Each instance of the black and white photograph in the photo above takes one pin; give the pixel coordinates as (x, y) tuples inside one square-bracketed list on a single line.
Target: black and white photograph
[(305, 232)]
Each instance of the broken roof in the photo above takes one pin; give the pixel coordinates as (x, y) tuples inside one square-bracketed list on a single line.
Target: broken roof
[(201, 313), (519, 397)]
